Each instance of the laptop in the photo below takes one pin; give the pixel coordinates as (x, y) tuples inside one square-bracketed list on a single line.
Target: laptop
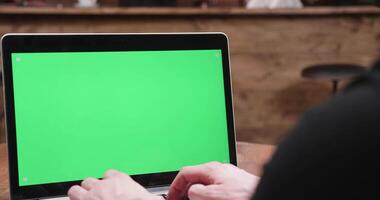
[(77, 105)]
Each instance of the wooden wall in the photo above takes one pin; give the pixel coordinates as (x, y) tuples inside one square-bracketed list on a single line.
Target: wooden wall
[(268, 51)]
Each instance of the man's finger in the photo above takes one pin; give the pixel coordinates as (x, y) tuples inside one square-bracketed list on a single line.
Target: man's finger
[(114, 173), (89, 183), (199, 191), (188, 176), (77, 193)]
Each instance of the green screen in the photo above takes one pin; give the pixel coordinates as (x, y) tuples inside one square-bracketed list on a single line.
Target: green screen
[(81, 113)]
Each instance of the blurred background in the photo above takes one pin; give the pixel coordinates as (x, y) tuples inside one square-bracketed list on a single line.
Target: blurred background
[(286, 55)]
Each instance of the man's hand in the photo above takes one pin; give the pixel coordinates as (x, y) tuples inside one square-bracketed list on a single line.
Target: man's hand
[(213, 181), (114, 186)]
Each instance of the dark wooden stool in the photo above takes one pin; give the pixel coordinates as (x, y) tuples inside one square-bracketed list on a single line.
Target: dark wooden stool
[(333, 73)]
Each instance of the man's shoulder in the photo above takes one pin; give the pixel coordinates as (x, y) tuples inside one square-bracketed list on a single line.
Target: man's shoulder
[(333, 152), (370, 78), (350, 118)]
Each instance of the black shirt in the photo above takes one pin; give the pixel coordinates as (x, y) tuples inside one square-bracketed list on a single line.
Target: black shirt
[(334, 151)]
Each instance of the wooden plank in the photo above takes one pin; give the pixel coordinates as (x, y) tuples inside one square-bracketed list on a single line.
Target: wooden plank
[(228, 11)]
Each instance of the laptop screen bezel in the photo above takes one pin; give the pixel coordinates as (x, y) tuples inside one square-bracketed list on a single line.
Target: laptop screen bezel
[(24, 43)]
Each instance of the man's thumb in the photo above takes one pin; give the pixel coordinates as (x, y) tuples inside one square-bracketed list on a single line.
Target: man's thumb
[(197, 192)]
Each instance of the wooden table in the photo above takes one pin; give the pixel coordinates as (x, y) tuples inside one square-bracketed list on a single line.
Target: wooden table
[(3, 172), (251, 157)]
